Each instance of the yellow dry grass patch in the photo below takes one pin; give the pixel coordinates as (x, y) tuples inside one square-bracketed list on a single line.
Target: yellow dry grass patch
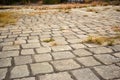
[(7, 18)]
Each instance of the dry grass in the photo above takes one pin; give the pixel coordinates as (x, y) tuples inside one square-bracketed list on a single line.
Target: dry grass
[(48, 40), (116, 28), (7, 18), (92, 10)]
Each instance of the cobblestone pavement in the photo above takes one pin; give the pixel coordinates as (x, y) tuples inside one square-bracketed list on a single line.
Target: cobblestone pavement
[(49, 47)]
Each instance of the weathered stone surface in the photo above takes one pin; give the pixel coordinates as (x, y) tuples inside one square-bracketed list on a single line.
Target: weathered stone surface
[(82, 52), (84, 74), (108, 72), (116, 47), (100, 50), (22, 60), (107, 59), (3, 73), (31, 45), (41, 68), (61, 48), (28, 78), (56, 76), (5, 62), (27, 51), (5, 54), (62, 55), (13, 47), (88, 61), (77, 46), (43, 50), (117, 54), (42, 57), (19, 71), (62, 65)]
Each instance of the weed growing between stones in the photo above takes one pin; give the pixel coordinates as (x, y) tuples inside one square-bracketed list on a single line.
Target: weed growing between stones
[(48, 40)]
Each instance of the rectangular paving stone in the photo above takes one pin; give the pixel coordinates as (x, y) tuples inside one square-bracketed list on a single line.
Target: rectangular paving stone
[(62, 65), (107, 59), (3, 73), (5, 54), (100, 50), (28, 78), (84, 74), (62, 55), (19, 71), (41, 68), (82, 52), (19, 60), (27, 51), (43, 50), (5, 62), (12, 47), (31, 45), (108, 72), (42, 57), (88, 61), (115, 48), (56, 76), (61, 48), (74, 40), (78, 46)]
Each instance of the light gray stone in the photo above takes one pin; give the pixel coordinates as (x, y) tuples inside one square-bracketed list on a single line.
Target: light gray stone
[(31, 45), (108, 72), (19, 71), (82, 52), (12, 47), (62, 55), (62, 65), (22, 60), (100, 50), (5, 62), (5, 54), (117, 54), (61, 48), (3, 73), (43, 50), (84, 74), (41, 68), (116, 47), (27, 51), (56, 76), (77, 46), (42, 57), (88, 61), (28, 78), (107, 59)]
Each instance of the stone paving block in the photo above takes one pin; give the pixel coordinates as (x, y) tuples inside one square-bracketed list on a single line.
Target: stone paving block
[(18, 42), (6, 43), (108, 72), (100, 50), (62, 55), (3, 73), (117, 54), (28, 78), (116, 47), (77, 46), (43, 50), (61, 48), (42, 57), (27, 51), (84, 74), (88, 61), (5, 62), (12, 47), (74, 40), (22, 60), (33, 41), (107, 59), (62, 65), (31, 45), (82, 52), (56, 76), (19, 71), (5, 54), (91, 45), (41, 68)]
